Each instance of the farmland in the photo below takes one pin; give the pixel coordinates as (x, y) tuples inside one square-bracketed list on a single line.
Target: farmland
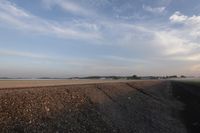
[(143, 106)]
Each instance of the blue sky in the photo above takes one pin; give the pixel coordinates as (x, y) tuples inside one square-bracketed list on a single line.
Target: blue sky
[(65, 38)]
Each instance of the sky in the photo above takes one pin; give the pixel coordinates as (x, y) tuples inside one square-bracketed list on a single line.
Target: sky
[(67, 38)]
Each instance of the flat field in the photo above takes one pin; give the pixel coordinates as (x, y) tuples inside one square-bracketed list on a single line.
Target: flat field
[(35, 83), (90, 106)]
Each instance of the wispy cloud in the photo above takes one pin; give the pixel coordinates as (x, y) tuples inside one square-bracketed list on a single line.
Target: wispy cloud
[(23, 20), (174, 42), (6, 52), (150, 42), (68, 6), (155, 10), (170, 41)]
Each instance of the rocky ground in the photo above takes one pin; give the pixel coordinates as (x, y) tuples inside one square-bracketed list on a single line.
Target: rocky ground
[(126, 107)]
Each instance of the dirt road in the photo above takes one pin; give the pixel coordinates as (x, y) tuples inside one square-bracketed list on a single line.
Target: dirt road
[(112, 107)]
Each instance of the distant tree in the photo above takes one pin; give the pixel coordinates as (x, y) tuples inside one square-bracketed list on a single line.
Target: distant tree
[(133, 77), (173, 76), (182, 76), (115, 77)]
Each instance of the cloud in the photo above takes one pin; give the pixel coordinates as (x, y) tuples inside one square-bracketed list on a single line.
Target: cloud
[(23, 20), (165, 42), (191, 25), (6, 52), (68, 6), (154, 10), (171, 43), (195, 68), (72, 66), (189, 58), (177, 17), (177, 43), (149, 42)]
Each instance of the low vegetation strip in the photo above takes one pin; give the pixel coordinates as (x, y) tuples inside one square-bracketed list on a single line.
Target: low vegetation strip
[(114, 107)]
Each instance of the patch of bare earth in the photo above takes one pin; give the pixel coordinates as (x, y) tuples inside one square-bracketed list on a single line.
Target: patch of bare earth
[(126, 107)]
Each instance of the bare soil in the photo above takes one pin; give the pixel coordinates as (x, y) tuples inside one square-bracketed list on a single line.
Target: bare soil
[(101, 107), (189, 94), (39, 83)]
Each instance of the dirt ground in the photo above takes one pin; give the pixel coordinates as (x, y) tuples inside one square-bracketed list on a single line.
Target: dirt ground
[(39, 83), (111, 107), (189, 94)]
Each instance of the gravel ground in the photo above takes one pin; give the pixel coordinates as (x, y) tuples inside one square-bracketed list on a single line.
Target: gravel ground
[(125, 107)]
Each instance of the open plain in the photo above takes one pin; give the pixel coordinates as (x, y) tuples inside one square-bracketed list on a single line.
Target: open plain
[(96, 106), (36, 83)]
